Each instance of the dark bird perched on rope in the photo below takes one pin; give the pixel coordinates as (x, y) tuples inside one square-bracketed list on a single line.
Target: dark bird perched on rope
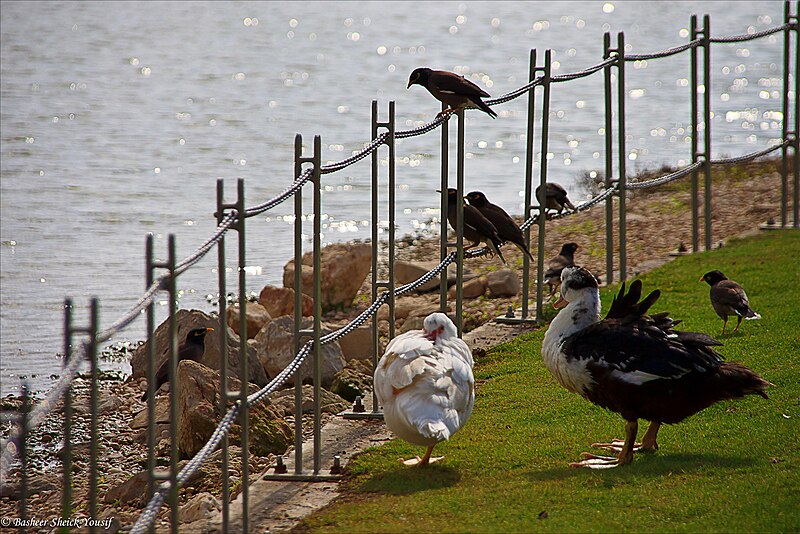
[(635, 364), (507, 229), (192, 348), (564, 259), (451, 89), (555, 197), (728, 298), (477, 228)]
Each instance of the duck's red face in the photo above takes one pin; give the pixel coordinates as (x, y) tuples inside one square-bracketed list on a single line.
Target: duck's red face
[(432, 335)]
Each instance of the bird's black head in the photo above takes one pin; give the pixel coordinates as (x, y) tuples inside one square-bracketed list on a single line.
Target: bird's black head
[(419, 76), (713, 277), (568, 248), (197, 335), (476, 198), (576, 278)]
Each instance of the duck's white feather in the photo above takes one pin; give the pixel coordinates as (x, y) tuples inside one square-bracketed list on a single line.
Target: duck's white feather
[(426, 388)]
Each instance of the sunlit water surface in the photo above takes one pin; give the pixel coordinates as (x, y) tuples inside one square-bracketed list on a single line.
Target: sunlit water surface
[(118, 118)]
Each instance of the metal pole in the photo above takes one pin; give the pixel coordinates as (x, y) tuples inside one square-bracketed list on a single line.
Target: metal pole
[(707, 120), (796, 147), (66, 501), (151, 370), (543, 183), (23, 455), (375, 222), (392, 206), (298, 305), (443, 238), (785, 123), (173, 390), (609, 166), (94, 434), (526, 262), (244, 373), (223, 349), (460, 223), (623, 243), (695, 186), (317, 300)]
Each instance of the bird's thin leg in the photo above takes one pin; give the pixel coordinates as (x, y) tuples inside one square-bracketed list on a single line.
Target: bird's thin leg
[(739, 317), (448, 110), (649, 439), (724, 323), (624, 457)]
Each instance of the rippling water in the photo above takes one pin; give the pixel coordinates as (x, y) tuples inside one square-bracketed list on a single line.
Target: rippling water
[(118, 118)]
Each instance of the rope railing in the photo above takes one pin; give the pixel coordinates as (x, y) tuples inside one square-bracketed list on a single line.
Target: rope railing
[(42, 410)]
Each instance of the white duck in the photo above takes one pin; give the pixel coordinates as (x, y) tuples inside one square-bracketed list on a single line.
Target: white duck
[(424, 383)]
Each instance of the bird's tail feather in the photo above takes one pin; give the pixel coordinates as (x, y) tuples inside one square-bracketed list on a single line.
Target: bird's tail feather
[(524, 249), (496, 249), (436, 430), (484, 107)]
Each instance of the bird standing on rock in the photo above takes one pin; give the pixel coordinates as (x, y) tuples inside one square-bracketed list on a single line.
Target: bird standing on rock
[(565, 258), (507, 229), (555, 197), (477, 228), (451, 89), (728, 298), (192, 348), (635, 364), (424, 383)]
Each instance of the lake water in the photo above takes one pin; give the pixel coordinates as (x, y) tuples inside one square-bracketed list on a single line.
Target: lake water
[(117, 119)]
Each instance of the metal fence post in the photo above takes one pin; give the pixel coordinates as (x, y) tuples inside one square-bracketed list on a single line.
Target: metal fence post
[(298, 305), (172, 289), (623, 241), (542, 199), (529, 157), (24, 421), (66, 451), (445, 171), (460, 223), (94, 434), (796, 133), (707, 130), (317, 299), (785, 108), (244, 375), (150, 369), (609, 158), (694, 124), (790, 138)]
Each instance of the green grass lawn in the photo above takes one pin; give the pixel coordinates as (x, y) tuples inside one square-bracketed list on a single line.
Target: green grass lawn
[(731, 468)]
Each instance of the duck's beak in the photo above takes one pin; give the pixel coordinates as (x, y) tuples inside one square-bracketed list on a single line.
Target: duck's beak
[(209, 329), (560, 303), (702, 279)]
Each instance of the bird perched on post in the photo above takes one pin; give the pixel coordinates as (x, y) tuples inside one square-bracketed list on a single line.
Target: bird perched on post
[(728, 298), (424, 383), (477, 228), (507, 229), (451, 89), (192, 348), (555, 197), (556, 265), (635, 364)]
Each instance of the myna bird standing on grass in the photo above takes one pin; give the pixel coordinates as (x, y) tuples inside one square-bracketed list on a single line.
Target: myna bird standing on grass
[(555, 197), (192, 348), (507, 229), (565, 258), (728, 298), (477, 228), (451, 89)]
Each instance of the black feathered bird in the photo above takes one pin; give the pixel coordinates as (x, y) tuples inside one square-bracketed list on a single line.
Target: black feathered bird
[(477, 228), (507, 229), (728, 298), (192, 348), (565, 258), (555, 197), (635, 364), (451, 89)]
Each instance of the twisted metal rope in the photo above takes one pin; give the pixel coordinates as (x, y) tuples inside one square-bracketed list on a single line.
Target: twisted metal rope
[(750, 36), (585, 72), (671, 177), (752, 155), (665, 53)]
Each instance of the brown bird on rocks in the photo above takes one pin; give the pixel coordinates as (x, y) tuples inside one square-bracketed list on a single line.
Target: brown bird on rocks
[(507, 229), (728, 298), (192, 348), (477, 228), (565, 258), (555, 197), (451, 89)]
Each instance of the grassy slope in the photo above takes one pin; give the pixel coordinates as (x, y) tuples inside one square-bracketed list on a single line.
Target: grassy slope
[(732, 468)]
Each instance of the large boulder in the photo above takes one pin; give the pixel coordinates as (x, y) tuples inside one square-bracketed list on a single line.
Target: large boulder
[(332, 403), (199, 413), (256, 317), (406, 272), (471, 289), (279, 301), (503, 283), (187, 320), (344, 267), (358, 344), (355, 380), (201, 506), (275, 347)]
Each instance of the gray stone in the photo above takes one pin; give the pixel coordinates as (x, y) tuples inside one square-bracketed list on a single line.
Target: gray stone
[(279, 301), (257, 317), (357, 345), (132, 490), (201, 506), (471, 289), (503, 283), (355, 380), (331, 403)]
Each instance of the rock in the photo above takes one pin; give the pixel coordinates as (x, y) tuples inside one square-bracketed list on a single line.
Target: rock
[(131, 492), (406, 272), (406, 307), (162, 414), (332, 403), (357, 345), (279, 301), (257, 317), (355, 380), (412, 323), (344, 267), (199, 414), (503, 283), (275, 346), (472, 289), (201, 506), (187, 320)]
